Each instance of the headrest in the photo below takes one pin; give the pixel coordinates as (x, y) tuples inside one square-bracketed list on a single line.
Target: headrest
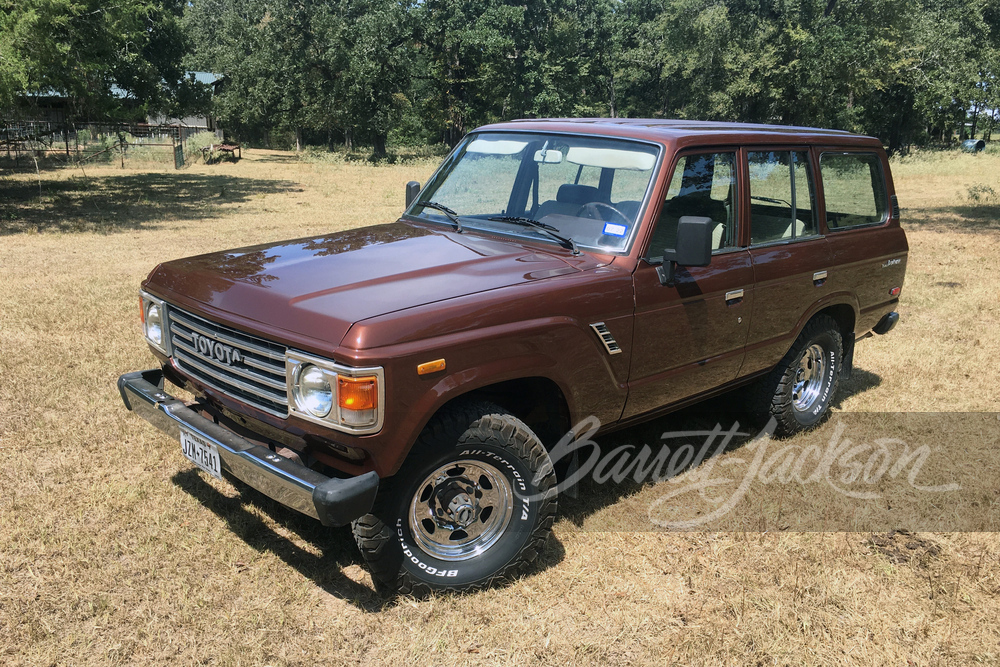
[(570, 193), (698, 202)]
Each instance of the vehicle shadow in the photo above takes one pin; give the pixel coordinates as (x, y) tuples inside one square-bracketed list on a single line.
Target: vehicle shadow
[(337, 548), (336, 545), (860, 382), (590, 497), (116, 203), (723, 412)]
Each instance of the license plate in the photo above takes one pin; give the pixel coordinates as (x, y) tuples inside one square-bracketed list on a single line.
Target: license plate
[(201, 452)]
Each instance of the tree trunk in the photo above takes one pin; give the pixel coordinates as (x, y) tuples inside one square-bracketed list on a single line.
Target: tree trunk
[(378, 145), (298, 139), (348, 140), (614, 112)]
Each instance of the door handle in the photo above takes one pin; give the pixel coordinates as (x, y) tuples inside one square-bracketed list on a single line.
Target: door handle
[(819, 278), (733, 297)]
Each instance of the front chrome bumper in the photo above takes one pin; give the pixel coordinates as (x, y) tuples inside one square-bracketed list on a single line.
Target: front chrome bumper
[(334, 501)]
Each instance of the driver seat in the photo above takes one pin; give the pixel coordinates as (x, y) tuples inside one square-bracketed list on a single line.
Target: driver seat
[(570, 197), (697, 203)]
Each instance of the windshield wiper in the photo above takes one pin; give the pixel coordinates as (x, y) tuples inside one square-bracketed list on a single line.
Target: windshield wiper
[(564, 241), (450, 214), (770, 200), (528, 222)]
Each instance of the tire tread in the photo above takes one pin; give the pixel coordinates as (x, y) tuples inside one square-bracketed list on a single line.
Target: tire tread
[(452, 427), (769, 396)]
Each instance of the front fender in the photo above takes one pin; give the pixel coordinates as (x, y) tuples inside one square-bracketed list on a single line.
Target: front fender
[(563, 350)]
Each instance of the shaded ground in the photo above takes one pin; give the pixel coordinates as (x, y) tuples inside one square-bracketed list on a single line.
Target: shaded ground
[(971, 217), (112, 203)]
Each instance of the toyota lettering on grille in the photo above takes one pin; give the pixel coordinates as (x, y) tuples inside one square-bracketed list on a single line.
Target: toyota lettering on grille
[(213, 349)]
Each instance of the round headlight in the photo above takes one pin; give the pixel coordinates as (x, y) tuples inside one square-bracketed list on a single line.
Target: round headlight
[(154, 324), (313, 392)]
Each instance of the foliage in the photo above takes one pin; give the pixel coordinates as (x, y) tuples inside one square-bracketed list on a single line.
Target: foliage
[(306, 65), (981, 193), (368, 72), (118, 59)]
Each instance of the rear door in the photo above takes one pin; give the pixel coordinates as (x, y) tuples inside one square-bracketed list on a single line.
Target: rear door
[(689, 337), (791, 259), (865, 239)]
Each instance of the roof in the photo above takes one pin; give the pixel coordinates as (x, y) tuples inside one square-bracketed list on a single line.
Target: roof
[(687, 132), (206, 77)]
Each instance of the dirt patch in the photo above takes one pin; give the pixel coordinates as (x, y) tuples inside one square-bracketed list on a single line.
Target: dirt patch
[(901, 546)]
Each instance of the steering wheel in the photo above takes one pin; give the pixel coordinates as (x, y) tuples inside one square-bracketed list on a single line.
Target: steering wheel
[(592, 211)]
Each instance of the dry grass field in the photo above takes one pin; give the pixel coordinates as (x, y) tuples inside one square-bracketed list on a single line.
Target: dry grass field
[(114, 551)]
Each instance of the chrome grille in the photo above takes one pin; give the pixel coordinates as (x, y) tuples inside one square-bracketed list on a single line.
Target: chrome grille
[(257, 379)]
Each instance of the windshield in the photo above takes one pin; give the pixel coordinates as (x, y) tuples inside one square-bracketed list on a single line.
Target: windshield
[(583, 188)]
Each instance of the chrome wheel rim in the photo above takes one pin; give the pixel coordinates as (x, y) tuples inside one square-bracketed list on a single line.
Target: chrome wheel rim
[(460, 510), (809, 374)]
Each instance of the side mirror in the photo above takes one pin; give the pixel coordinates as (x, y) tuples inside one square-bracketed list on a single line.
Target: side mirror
[(412, 190), (694, 241), (694, 247)]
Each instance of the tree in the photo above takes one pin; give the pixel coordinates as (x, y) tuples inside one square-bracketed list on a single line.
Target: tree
[(375, 83), (306, 65), (113, 60)]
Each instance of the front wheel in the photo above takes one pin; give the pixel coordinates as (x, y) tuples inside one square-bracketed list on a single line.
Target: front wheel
[(473, 504), (798, 392)]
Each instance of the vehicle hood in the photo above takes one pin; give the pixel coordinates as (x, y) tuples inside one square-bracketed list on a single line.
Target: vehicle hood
[(318, 287)]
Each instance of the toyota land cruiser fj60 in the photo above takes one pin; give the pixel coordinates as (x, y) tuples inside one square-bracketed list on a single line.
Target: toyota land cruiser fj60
[(411, 378)]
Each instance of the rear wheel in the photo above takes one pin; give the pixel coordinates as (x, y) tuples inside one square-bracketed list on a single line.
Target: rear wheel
[(798, 392), (473, 504)]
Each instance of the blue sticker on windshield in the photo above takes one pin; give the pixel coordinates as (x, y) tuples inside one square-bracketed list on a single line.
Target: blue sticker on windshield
[(612, 229)]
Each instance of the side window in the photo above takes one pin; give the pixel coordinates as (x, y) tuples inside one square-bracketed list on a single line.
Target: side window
[(854, 189), (781, 196), (701, 185)]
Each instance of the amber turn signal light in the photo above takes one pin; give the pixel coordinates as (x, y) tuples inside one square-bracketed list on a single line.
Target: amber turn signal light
[(357, 393), (430, 367)]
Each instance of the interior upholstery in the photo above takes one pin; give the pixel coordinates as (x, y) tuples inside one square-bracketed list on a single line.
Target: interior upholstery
[(696, 203), (570, 193), (569, 198), (764, 228)]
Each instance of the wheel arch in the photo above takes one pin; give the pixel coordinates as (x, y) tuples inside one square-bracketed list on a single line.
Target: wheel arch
[(537, 400), (845, 314)]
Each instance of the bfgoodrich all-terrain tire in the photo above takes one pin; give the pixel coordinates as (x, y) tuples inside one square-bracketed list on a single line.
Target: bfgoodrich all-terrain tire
[(473, 504), (798, 392)]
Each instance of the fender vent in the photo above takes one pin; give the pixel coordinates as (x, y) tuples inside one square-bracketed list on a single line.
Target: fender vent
[(610, 344)]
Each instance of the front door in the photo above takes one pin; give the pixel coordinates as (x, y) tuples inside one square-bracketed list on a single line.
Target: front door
[(690, 335)]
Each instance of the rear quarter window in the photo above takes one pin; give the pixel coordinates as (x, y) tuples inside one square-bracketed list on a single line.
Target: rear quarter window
[(854, 190)]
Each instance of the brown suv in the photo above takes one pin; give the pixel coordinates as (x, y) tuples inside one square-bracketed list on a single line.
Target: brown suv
[(411, 378)]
